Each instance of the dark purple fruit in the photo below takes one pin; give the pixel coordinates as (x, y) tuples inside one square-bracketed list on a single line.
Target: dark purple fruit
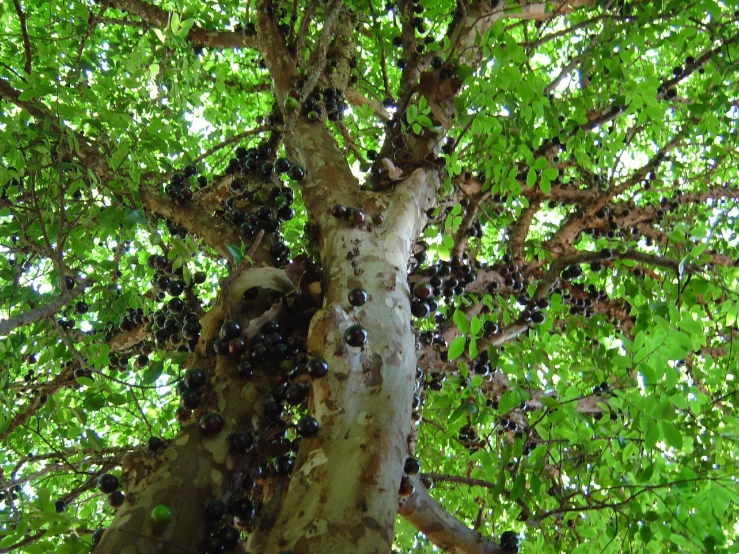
[(423, 290), (81, 307), (317, 367), (412, 466), (154, 444), (295, 394), (356, 217), (230, 536), (215, 510), (307, 427), (338, 211), (241, 441), (213, 545), (190, 400), (242, 508), (355, 336), (237, 346), (60, 506), (199, 277), (282, 165), (97, 536), (175, 305), (195, 378), (406, 487), (182, 415), (230, 330), (296, 173), (116, 499), (108, 483), (283, 465), (211, 424), (357, 297), (419, 308), (245, 370), (220, 347)]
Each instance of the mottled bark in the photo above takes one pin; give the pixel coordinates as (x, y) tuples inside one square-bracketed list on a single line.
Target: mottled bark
[(441, 528)]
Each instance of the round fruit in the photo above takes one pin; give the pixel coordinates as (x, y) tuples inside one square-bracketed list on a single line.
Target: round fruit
[(412, 466), (295, 394), (215, 510), (97, 536), (296, 173), (195, 378), (60, 506), (291, 103), (419, 308), (237, 346), (242, 508), (355, 336), (241, 441), (283, 465), (307, 427), (406, 487), (81, 307), (199, 277), (317, 367), (423, 290), (190, 400), (230, 536), (230, 330), (211, 424), (161, 514), (213, 545), (154, 444), (108, 483), (338, 211), (116, 499), (357, 297)]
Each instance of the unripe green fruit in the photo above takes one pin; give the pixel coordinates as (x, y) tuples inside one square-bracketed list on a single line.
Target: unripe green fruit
[(291, 103), (161, 515)]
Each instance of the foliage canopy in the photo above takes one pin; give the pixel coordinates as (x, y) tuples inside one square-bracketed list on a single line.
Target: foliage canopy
[(590, 166)]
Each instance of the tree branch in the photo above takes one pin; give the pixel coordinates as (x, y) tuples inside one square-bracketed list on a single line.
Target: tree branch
[(47, 310), (24, 34), (157, 17), (440, 527)]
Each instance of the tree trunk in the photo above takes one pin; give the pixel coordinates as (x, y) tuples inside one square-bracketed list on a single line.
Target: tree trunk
[(343, 495)]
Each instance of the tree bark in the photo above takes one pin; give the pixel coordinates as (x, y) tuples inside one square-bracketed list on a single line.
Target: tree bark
[(343, 493)]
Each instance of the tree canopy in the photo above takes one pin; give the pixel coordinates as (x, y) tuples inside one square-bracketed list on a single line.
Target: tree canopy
[(201, 200)]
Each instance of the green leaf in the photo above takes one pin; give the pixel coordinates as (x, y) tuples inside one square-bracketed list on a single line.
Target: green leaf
[(672, 434), (456, 348), (461, 321), (519, 485)]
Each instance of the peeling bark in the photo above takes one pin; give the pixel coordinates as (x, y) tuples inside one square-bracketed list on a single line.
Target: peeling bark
[(440, 527)]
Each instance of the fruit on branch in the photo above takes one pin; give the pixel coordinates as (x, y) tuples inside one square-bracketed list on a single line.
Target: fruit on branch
[(317, 367), (116, 499), (411, 466), (108, 483), (406, 487), (307, 427), (215, 510), (241, 441), (161, 514), (211, 424), (355, 335), (154, 444)]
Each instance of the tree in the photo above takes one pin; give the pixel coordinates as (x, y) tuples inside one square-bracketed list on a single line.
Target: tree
[(349, 277)]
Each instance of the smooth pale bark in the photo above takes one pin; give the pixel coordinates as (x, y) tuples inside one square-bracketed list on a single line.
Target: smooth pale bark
[(343, 493), (440, 527)]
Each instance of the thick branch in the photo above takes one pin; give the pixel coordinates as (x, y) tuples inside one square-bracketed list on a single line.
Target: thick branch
[(157, 17), (47, 310), (440, 527)]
